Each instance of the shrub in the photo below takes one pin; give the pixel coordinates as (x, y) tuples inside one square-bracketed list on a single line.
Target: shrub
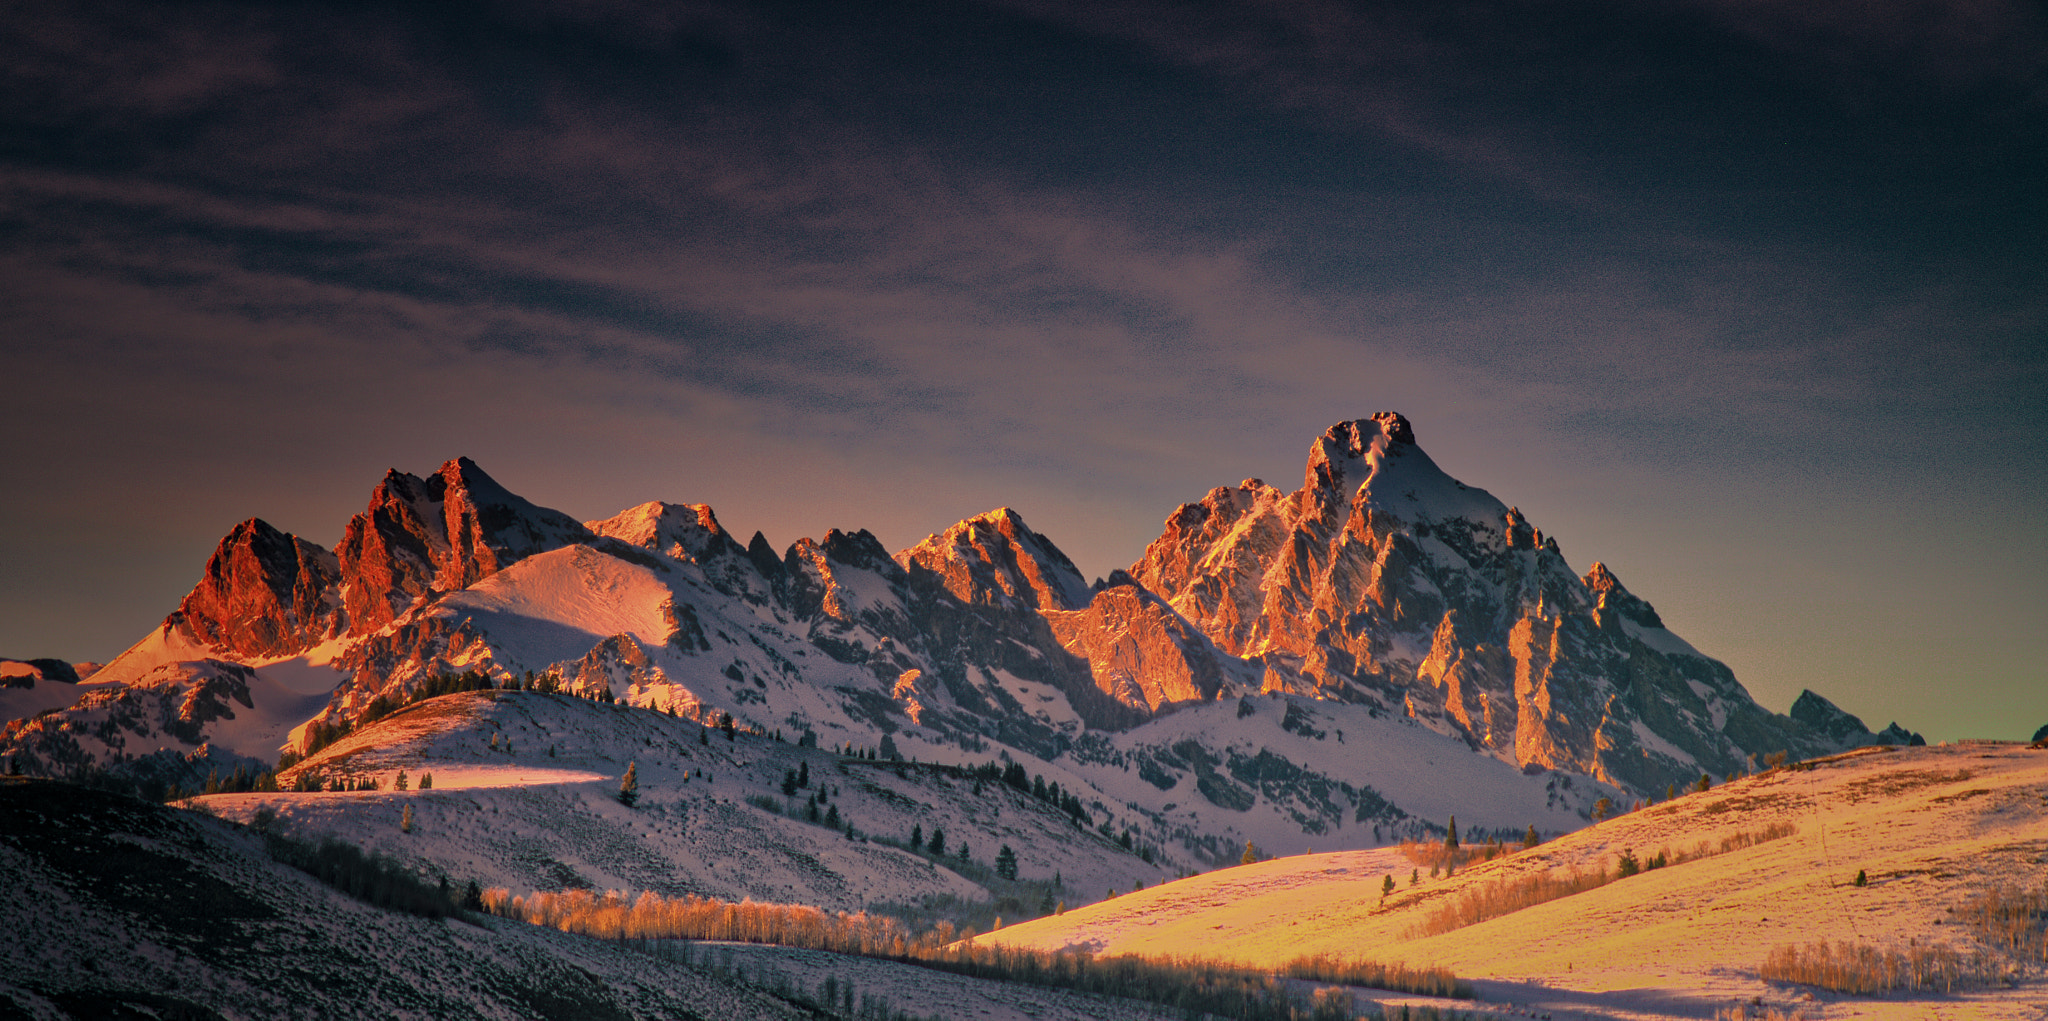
[(371, 878), (1184, 985), (1507, 897), (1357, 971), (1756, 1012), (2012, 921), (1864, 970)]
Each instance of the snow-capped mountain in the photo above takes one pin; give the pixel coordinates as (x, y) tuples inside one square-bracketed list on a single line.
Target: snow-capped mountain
[(1289, 668), (1386, 582)]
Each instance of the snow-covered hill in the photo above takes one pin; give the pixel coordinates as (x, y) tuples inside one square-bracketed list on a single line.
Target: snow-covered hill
[(121, 909), (525, 796), (1929, 828)]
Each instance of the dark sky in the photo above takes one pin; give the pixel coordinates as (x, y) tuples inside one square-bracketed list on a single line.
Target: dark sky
[(1748, 300)]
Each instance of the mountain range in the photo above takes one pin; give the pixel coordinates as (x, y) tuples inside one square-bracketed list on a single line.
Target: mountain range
[(1346, 664)]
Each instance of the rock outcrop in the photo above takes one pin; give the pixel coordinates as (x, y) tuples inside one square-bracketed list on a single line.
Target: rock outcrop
[(995, 558), (443, 533), (264, 594)]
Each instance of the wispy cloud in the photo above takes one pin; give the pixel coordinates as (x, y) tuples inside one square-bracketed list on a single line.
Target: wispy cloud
[(837, 270)]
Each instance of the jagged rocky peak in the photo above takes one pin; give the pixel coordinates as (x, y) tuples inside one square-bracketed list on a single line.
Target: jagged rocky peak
[(1817, 712), (1384, 580), (439, 534), (264, 594), (1614, 600), (24, 673), (995, 557), (687, 532), (691, 533), (822, 576)]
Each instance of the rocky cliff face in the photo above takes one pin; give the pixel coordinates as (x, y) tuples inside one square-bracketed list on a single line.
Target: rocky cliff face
[(1145, 655), (690, 533), (995, 558), (1385, 581), (264, 594), (420, 536)]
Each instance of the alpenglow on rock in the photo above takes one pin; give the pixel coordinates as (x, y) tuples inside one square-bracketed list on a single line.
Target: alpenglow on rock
[(1380, 597), (1384, 580)]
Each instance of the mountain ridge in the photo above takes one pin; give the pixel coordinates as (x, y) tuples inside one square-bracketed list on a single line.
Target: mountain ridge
[(1382, 584)]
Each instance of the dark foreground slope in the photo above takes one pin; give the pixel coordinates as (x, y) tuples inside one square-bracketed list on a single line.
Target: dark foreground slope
[(116, 908)]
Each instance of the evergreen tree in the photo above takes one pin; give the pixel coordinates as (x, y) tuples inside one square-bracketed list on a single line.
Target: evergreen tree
[(938, 844), (1251, 854), (789, 783), (1530, 839), (1706, 783), (832, 818), (1386, 887), (426, 781), (1414, 877), (917, 838), (1006, 863), (1628, 864), (400, 783), (629, 787), (1451, 835), (803, 774)]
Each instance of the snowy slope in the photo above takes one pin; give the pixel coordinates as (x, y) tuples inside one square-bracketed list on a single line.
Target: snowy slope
[(544, 815), (122, 909), (1929, 826)]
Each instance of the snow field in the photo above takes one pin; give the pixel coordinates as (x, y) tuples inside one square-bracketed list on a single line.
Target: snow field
[(529, 820)]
